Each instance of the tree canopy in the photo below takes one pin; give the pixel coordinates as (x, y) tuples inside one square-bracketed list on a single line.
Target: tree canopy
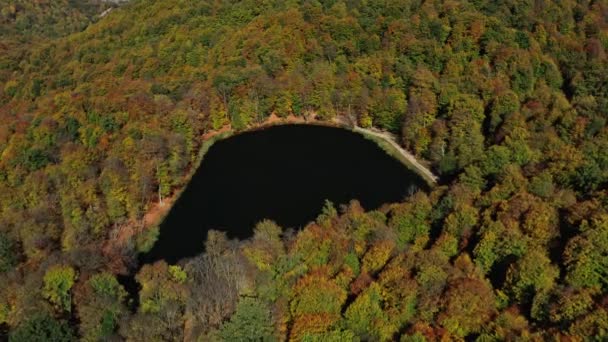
[(103, 117)]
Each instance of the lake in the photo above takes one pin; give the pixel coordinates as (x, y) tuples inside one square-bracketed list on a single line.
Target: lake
[(283, 173)]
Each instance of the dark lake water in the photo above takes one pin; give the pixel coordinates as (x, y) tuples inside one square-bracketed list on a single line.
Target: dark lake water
[(282, 173)]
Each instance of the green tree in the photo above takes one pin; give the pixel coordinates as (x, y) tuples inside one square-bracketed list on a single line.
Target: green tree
[(332, 336), (101, 307), (571, 304), (389, 109), (8, 255), (411, 220), (251, 322), (542, 185), (365, 316), (496, 243), (504, 105), (42, 328), (465, 116), (421, 111), (58, 281), (533, 273), (586, 255)]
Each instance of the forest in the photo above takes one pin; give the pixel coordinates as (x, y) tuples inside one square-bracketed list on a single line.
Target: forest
[(506, 101)]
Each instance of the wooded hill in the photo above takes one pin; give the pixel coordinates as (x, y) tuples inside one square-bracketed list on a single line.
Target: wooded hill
[(507, 100)]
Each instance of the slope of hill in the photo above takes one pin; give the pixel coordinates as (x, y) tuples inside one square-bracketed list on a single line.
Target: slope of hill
[(506, 100), (26, 20), (27, 23)]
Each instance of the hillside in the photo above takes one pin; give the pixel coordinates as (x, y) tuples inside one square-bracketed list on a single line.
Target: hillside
[(25, 23), (36, 20), (505, 100)]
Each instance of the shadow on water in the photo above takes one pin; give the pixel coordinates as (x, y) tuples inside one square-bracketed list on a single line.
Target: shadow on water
[(283, 173)]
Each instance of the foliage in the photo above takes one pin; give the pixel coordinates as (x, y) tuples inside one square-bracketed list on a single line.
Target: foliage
[(469, 305), (586, 255), (42, 328), (102, 119), (58, 281), (101, 307), (7, 254), (251, 321)]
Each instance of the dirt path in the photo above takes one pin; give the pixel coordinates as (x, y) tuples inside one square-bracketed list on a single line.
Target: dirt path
[(392, 140), (346, 121), (122, 235)]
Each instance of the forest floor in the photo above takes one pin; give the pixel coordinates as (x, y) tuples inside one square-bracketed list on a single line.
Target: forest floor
[(158, 211)]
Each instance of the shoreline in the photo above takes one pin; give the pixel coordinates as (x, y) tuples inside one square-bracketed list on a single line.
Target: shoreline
[(385, 141), (408, 159)]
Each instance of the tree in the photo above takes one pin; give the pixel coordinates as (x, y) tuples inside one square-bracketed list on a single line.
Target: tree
[(460, 223), (399, 294), (114, 181), (218, 113), (162, 301), (389, 109), (495, 159), (217, 277), (591, 325), (332, 336), (570, 304), (586, 255), (411, 220), (8, 257), (266, 246), (314, 293), (377, 255), (465, 115), (541, 223), (160, 289), (164, 181), (58, 281), (365, 316), (503, 105), (100, 307), (542, 185), (421, 111), (42, 328), (533, 273), (469, 305), (497, 243), (328, 213), (250, 322), (360, 314), (509, 324)]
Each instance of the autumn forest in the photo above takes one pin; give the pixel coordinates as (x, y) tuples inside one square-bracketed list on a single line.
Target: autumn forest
[(107, 107)]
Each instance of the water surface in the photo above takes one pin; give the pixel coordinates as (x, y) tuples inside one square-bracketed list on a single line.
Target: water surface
[(283, 173)]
